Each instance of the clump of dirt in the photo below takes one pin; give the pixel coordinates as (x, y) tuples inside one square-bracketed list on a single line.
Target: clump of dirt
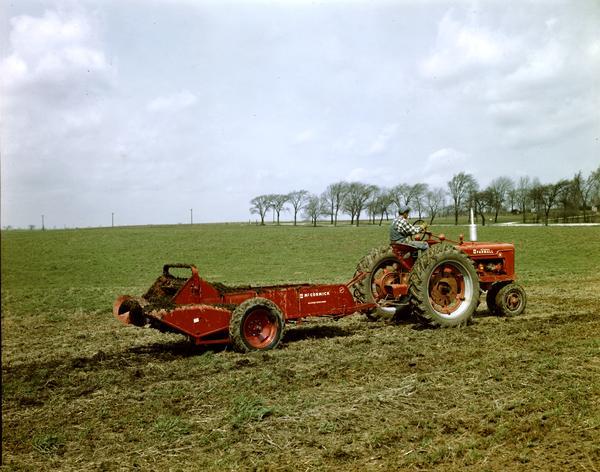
[(164, 287), (160, 294)]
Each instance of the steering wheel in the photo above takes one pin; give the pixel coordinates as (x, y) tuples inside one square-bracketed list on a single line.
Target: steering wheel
[(421, 235)]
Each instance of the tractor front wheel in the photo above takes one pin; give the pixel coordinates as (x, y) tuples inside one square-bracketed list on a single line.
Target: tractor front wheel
[(511, 300), (490, 297), (256, 325), (443, 287)]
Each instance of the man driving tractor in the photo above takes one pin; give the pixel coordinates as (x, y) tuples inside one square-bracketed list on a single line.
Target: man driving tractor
[(401, 230)]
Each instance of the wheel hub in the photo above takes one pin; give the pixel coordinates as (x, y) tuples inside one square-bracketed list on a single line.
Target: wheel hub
[(259, 328), (446, 289), (384, 280), (513, 301)]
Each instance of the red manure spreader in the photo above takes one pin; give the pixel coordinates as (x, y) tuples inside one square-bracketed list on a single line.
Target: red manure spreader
[(440, 286)]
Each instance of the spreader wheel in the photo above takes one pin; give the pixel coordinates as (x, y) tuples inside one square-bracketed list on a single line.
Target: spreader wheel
[(443, 287), (511, 300), (383, 269), (256, 325)]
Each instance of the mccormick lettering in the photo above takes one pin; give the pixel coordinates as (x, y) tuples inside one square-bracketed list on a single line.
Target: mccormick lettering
[(483, 251), (314, 294)]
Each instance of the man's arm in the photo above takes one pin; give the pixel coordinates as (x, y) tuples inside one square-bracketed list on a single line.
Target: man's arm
[(404, 227)]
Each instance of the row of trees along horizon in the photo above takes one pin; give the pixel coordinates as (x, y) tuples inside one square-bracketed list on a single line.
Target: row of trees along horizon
[(570, 200)]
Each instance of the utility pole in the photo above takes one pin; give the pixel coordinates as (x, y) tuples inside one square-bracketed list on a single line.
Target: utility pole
[(191, 216), (112, 219), (43, 227)]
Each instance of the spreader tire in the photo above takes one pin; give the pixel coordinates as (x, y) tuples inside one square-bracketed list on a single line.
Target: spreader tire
[(443, 287), (490, 297), (511, 300), (256, 325), (378, 259)]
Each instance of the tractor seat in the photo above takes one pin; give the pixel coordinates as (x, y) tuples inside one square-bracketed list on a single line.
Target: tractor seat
[(400, 249), (401, 246)]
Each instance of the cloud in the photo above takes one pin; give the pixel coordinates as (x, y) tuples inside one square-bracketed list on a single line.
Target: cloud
[(540, 65), (383, 140), (50, 50), (442, 164), (172, 103), (108, 106), (56, 86), (305, 136), (532, 85), (377, 175), (461, 49)]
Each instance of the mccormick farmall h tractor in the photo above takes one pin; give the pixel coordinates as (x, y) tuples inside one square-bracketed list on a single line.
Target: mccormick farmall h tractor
[(441, 286)]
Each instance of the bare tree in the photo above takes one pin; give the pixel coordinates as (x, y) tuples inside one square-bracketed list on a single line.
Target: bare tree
[(401, 195), (333, 198), (383, 203), (535, 195), (522, 195), (512, 199), (313, 208), (418, 193), (434, 201), (460, 186), (277, 203), (372, 206), (298, 199), (549, 195), (259, 206), (595, 193), (584, 190), (482, 202), (356, 199), (497, 194), (378, 204)]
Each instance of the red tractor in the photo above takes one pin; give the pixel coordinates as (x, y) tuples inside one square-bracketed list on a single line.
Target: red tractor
[(440, 285)]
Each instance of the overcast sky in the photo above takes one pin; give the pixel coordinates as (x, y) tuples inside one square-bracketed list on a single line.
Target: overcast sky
[(150, 108)]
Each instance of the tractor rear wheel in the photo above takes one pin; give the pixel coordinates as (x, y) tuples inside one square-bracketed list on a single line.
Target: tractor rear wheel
[(382, 267), (256, 325), (511, 300), (443, 287)]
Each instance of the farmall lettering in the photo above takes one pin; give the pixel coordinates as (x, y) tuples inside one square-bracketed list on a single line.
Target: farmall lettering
[(483, 250)]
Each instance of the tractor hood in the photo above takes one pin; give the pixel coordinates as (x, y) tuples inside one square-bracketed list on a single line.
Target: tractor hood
[(478, 249)]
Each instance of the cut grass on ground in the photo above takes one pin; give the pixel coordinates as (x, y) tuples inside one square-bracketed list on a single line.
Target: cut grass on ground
[(82, 392)]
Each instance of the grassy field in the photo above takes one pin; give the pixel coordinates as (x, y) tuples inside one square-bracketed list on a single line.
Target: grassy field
[(83, 392)]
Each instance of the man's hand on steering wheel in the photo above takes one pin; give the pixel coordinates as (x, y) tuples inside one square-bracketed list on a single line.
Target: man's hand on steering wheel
[(424, 230)]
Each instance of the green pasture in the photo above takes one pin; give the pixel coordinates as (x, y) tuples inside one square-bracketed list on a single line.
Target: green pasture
[(64, 270), (82, 392)]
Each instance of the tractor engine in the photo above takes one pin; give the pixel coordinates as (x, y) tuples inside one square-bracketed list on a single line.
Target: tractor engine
[(494, 262)]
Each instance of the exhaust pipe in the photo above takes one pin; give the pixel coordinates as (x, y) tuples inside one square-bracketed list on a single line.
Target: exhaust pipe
[(129, 310), (473, 228)]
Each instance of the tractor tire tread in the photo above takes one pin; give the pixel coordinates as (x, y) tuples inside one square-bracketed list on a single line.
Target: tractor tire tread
[(501, 301), (419, 297), (362, 289), (490, 297)]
